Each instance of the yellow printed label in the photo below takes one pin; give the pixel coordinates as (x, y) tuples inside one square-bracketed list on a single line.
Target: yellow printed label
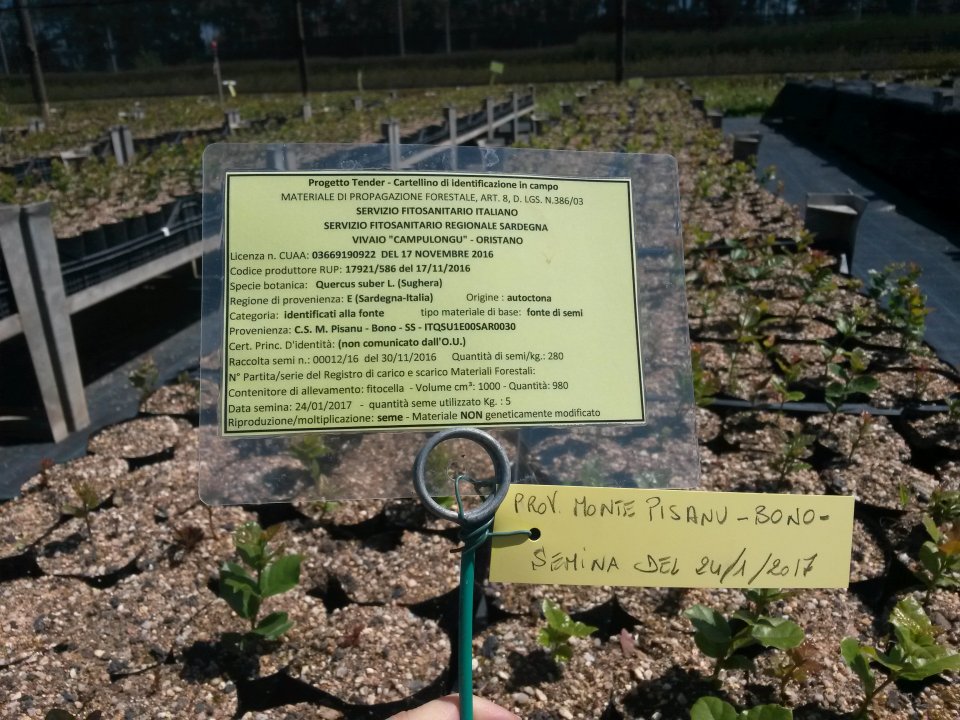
[(672, 538), (384, 300)]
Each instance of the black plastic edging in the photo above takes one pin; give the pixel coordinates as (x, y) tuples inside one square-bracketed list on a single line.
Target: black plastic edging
[(813, 408)]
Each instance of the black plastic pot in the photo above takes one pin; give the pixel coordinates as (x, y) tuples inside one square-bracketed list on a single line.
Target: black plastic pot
[(137, 227), (93, 241), (115, 233), (70, 249), (745, 146), (833, 218)]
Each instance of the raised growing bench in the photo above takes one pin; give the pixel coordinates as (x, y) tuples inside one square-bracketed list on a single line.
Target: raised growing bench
[(44, 281)]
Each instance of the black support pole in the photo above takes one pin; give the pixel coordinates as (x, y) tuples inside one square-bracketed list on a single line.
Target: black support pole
[(302, 42), (621, 41), (36, 72)]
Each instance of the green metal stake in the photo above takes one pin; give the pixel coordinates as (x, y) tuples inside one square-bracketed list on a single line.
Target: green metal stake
[(474, 530), (465, 634)]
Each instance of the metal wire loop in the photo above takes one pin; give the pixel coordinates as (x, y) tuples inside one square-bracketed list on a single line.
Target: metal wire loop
[(483, 514)]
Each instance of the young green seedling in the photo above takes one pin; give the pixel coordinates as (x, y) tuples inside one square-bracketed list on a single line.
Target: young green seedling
[(555, 637), (751, 319), (273, 573), (814, 281), (848, 379), (705, 384), (722, 639), (441, 474), (789, 459), (945, 506), (940, 557), (906, 306), (796, 666), (87, 503), (711, 708), (848, 327), (145, 377), (310, 450), (914, 655), (863, 430)]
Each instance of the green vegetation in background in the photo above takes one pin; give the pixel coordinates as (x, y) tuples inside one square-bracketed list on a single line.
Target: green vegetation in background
[(870, 35), (738, 95), (922, 43)]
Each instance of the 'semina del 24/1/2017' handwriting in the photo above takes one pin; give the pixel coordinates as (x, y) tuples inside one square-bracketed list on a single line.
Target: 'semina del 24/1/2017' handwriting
[(653, 509), (744, 570)]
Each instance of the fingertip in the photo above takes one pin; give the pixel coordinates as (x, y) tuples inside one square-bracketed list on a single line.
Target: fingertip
[(448, 708)]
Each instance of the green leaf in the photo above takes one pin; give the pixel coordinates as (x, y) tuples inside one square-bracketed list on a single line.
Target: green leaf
[(908, 617), (746, 616), (767, 712), (239, 590), (711, 708), (931, 527), (558, 620), (271, 532), (925, 669), (709, 622), (563, 652), (778, 633), (553, 613), (864, 384), (854, 656), (550, 637), (280, 575), (904, 494), (930, 559), (579, 629), (273, 625), (250, 544)]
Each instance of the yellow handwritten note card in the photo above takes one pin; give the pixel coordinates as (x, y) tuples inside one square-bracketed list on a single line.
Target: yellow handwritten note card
[(672, 538)]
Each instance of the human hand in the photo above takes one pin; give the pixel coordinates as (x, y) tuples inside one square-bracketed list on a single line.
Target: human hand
[(448, 708)]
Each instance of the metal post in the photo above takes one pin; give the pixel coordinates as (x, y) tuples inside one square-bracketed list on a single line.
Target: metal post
[(113, 51), (121, 140), (515, 108), (302, 41), (450, 111), (489, 104), (36, 71), (621, 42), (446, 27), (216, 70), (232, 121), (403, 47), (277, 157), (3, 53), (30, 251), (393, 139)]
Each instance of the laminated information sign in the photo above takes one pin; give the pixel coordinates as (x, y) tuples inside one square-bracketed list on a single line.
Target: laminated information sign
[(395, 300), (358, 297)]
